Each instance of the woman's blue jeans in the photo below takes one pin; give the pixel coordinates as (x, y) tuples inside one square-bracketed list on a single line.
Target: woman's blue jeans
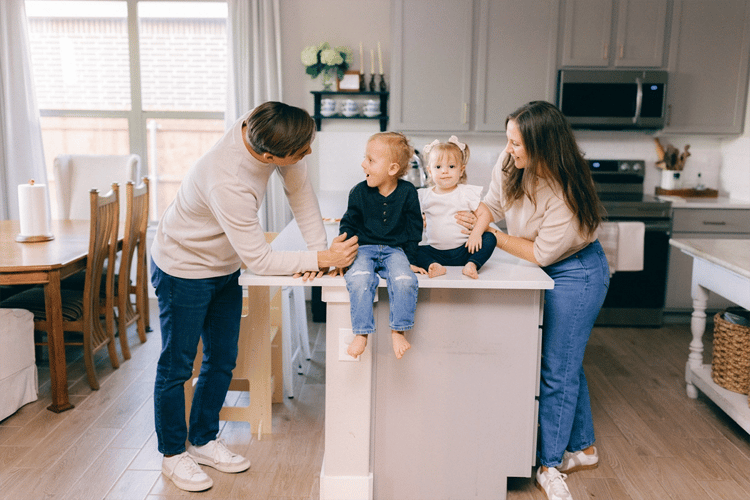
[(362, 279), (570, 309), (192, 309)]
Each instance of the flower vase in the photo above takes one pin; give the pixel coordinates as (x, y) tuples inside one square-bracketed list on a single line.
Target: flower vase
[(327, 81)]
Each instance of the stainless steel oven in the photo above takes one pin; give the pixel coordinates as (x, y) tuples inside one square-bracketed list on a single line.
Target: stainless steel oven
[(635, 298)]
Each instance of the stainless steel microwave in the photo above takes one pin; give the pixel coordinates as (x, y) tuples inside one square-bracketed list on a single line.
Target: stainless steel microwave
[(615, 99)]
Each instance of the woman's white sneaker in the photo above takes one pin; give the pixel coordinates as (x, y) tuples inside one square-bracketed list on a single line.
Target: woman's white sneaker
[(552, 483), (216, 454), (573, 462), (185, 473)]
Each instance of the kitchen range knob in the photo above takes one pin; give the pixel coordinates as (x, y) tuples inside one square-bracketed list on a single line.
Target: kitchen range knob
[(624, 167), (637, 167)]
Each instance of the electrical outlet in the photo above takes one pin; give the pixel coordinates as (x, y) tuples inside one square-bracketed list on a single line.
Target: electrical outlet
[(345, 338)]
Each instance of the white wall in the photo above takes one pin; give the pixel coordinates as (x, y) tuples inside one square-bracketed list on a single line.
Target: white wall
[(339, 147)]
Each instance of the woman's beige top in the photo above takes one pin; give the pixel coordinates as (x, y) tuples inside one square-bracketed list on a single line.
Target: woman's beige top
[(549, 224)]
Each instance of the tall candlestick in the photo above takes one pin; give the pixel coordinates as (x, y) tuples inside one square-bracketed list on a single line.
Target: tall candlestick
[(372, 62), (380, 59), (361, 60)]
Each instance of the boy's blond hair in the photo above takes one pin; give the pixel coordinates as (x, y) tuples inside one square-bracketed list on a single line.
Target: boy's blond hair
[(399, 147)]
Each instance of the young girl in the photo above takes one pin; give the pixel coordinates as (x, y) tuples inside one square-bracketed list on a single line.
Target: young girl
[(446, 242), (383, 212)]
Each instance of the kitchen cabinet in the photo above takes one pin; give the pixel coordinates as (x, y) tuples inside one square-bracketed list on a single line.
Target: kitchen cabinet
[(608, 33), (708, 66), (454, 79), (516, 58), (704, 223)]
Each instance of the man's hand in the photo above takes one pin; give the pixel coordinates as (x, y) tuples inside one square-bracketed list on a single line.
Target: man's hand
[(337, 271), (309, 275), (341, 253)]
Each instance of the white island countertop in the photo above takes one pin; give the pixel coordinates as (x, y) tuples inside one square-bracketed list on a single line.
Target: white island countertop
[(733, 255), (721, 202), (502, 271)]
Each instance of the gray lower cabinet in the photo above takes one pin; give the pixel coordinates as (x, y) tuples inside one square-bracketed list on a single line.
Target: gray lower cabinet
[(699, 223)]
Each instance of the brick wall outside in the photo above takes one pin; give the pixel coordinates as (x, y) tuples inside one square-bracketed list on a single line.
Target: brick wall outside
[(84, 64)]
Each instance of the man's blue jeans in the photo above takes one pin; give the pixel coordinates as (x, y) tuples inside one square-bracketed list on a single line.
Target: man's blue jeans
[(362, 280), (192, 309), (570, 309)]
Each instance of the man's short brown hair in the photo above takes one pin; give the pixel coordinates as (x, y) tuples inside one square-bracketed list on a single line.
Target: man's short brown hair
[(279, 129)]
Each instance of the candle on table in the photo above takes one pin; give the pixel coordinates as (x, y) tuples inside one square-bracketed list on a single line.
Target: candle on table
[(361, 59), (380, 59), (372, 62)]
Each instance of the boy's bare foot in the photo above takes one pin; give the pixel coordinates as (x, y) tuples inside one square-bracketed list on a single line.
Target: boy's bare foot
[(357, 346), (435, 270), (470, 270), (400, 344)]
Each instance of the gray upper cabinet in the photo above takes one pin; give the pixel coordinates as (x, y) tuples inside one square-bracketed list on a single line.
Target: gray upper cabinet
[(708, 66), (516, 58), (455, 79), (608, 33), (431, 64)]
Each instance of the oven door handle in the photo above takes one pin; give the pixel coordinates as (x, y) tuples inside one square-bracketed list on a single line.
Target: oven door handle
[(664, 226), (638, 99)]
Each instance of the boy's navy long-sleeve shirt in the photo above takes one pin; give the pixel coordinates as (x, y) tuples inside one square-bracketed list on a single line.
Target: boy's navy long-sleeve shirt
[(394, 220)]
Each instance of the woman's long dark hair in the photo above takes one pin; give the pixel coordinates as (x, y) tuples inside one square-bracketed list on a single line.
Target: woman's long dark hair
[(553, 154)]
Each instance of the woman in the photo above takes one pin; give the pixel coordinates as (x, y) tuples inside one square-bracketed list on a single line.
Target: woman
[(543, 189)]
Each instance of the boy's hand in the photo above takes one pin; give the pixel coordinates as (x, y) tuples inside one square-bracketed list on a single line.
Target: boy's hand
[(417, 269), (337, 271)]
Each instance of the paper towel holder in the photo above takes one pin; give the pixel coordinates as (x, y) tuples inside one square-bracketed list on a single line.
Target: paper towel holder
[(38, 237)]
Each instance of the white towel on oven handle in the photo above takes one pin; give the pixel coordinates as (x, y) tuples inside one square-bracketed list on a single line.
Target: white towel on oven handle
[(623, 244)]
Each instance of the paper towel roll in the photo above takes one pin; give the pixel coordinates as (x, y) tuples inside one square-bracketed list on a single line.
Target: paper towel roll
[(33, 212)]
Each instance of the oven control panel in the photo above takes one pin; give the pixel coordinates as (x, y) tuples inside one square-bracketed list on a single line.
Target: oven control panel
[(614, 167)]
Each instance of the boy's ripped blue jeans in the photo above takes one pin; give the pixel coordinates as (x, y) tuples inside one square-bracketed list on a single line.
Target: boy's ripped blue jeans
[(372, 263)]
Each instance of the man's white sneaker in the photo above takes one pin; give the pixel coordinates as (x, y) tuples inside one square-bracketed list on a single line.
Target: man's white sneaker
[(552, 483), (185, 473), (573, 462), (216, 454)]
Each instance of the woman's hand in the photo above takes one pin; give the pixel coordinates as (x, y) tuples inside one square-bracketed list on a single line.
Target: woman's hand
[(417, 269), (466, 219)]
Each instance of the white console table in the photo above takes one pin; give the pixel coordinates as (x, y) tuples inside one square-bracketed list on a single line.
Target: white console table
[(458, 414), (722, 267)]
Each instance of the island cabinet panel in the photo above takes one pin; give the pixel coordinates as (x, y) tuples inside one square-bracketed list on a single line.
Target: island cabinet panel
[(457, 414)]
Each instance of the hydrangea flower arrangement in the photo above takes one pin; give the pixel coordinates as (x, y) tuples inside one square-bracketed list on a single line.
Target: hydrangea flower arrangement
[(326, 60)]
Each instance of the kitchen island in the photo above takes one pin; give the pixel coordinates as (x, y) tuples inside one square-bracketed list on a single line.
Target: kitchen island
[(457, 415), (723, 267)]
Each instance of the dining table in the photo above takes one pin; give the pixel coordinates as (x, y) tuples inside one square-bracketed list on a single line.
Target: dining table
[(47, 263)]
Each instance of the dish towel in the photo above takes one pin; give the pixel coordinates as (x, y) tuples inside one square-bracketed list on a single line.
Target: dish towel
[(623, 245)]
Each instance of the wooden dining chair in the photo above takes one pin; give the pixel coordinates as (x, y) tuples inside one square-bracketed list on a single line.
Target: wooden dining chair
[(82, 308), (134, 238)]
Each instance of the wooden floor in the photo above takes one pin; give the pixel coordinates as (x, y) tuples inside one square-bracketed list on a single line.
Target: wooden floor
[(653, 441)]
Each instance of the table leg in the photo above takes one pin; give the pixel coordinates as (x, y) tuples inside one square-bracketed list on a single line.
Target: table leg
[(58, 372), (697, 328)]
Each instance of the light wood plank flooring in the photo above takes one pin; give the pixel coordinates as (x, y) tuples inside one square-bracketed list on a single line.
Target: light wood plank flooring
[(653, 441)]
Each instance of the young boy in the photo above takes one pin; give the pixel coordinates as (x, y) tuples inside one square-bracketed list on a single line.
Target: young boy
[(384, 214)]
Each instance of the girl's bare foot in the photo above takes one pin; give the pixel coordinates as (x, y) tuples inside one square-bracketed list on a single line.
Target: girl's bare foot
[(400, 344), (435, 270), (357, 346), (470, 270)]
